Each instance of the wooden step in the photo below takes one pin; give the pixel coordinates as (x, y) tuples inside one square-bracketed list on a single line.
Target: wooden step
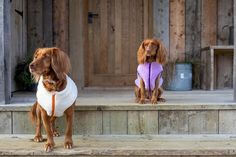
[(108, 112), (132, 145)]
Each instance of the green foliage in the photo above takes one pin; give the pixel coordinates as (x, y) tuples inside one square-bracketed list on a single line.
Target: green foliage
[(23, 77)]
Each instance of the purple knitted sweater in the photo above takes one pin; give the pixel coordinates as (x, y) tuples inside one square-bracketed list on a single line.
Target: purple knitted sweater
[(149, 73)]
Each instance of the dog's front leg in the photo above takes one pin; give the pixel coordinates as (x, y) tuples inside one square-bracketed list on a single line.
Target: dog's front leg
[(155, 91), (160, 91), (143, 92), (69, 119), (38, 136), (53, 127), (46, 122)]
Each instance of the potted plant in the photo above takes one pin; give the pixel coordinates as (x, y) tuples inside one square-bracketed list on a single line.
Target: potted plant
[(23, 78)]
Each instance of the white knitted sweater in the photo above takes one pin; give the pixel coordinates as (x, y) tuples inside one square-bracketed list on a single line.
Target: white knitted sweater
[(63, 99)]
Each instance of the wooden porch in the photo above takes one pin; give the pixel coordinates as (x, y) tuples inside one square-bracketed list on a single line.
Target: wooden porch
[(113, 111), (108, 123), (120, 146)]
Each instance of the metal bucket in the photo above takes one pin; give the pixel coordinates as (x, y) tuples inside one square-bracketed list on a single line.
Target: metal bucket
[(182, 79)]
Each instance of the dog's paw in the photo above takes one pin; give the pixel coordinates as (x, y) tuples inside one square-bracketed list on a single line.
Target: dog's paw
[(48, 147), (68, 144), (137, 100), (55, 133), (38, 139), (161, 100), (142, 101), (154, 101)]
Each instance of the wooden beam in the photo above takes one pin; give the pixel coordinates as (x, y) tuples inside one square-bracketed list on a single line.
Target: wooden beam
[(5, 64), (2, 76), (61, 24), (234, 70), (78, 36), (34, 25), (47, 23), (208, 35), (7, 50), (193, 38), (161, 21), (177, 30)]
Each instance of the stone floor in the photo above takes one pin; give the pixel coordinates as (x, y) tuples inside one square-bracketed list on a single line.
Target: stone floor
[(98, 96), (114, 145)]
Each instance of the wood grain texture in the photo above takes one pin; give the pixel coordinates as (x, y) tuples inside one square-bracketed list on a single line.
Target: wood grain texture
[(89, 123), (142, 122), (208, 34), (161, 21), (21, 123), (193, 38), (224, 21), (115, 35), (47, 23), (224, 63), (34, 25), (203, 122), (6, 122), (115, 122), (61, 24), (227, 122), (209, 23), (118, 36), (177, 30), (234, 59), (7, 50), (78, 40), (173, 122), (224, 71), (2, 55)]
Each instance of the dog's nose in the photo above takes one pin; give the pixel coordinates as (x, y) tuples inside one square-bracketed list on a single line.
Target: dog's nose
[(31, 66), (148, 49)]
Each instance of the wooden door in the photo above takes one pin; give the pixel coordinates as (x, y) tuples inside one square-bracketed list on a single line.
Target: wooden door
[(115, 30)]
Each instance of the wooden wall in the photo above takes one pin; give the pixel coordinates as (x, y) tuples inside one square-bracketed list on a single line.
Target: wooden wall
[(18, 35), (185, 26)]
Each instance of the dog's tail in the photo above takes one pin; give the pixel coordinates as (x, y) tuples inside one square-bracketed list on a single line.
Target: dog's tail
[(32, 113)]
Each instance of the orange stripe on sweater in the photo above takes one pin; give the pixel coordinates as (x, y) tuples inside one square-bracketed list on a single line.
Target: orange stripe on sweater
[(53, 105)]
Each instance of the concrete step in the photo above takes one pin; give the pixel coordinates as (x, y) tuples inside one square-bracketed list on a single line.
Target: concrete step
[(108, 112), (123, 145)]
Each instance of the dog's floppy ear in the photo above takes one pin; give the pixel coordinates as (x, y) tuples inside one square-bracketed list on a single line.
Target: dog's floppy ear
[(141, 54), (60, 63), (161, 53)]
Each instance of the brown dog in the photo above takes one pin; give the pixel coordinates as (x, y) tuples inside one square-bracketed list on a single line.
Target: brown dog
[(56, 94), (151, 56)]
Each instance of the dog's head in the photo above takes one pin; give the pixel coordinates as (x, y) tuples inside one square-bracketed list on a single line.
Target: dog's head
[(48, 60), (152, 48)]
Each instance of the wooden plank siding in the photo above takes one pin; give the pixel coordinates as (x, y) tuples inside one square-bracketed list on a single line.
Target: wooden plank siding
[(234, 60), (177, 30), (61, 24), (208, 35), (47, 23), (2, 55), (115, 35), (34, 25), (161, 22), (193, 38), (78, 36), (104, 53), (224, 62)]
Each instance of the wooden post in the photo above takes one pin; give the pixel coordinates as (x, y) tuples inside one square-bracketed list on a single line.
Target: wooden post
[(78, 10), (5, 65), (161, 21), (234, 69)]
